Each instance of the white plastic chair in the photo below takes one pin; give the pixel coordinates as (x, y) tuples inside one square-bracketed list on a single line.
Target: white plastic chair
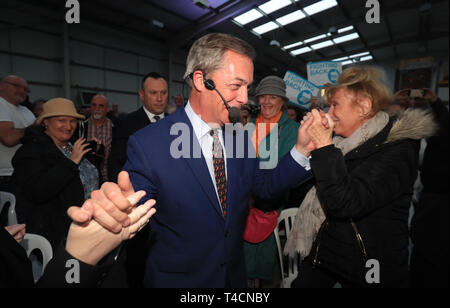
[(32, 242), (6, 197), (286, 219)]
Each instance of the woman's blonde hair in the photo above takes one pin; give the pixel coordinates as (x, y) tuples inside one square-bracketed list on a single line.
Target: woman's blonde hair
[(363, 82)]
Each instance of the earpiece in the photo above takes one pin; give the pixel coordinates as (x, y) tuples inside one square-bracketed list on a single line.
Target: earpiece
[(209, 84), (233, 112)]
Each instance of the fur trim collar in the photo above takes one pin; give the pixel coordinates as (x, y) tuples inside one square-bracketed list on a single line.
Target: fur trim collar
[(412, 123)]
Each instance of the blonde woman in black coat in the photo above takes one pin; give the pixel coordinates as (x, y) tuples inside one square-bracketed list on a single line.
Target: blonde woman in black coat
[(352, 226)]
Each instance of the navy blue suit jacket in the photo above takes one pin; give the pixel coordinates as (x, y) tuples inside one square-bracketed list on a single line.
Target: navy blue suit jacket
[(190, 243)]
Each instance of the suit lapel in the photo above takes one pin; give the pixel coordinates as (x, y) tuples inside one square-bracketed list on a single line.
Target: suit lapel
[(198, 165), (143, 118)]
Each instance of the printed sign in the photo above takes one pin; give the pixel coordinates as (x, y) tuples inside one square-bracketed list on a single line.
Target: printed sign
[(321, 73), (299, 90)]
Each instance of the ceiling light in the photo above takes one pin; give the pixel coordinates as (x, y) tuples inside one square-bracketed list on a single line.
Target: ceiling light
[(266, 27), (248, 17), (320, 7), (340, 59), (345, 38), (293, 45), (300, 51), (322, 45), (347, 62), (345, 29), (274, 5), (290, 18), (368, 58), (359, 54), (315, 38)]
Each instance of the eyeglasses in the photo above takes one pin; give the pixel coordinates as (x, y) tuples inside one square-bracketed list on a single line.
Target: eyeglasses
[(26, 89)]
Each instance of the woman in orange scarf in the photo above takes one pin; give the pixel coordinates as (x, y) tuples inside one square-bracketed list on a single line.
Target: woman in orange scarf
[(274, 136)]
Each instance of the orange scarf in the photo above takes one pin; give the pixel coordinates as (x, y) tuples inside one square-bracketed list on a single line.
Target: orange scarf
[(260, 135)]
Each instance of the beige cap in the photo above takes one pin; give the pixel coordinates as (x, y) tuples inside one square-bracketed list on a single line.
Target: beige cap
[(58, 107)]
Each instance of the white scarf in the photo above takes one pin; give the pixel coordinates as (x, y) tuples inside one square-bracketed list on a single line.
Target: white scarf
[(310, 215)]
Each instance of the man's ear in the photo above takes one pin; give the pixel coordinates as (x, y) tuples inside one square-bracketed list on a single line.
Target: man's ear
[(141, 94), (198, 81)]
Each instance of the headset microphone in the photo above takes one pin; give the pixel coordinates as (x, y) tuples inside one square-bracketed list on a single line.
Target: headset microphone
[(234, 114)]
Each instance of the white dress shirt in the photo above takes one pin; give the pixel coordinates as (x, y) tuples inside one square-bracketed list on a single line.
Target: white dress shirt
[(202, 129), (151, 116)]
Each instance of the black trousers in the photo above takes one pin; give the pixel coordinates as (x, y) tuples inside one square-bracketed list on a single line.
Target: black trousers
[(314, 277)]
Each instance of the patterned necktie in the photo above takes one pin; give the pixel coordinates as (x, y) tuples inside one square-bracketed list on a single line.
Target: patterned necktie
[(219, 171), (156, 118)]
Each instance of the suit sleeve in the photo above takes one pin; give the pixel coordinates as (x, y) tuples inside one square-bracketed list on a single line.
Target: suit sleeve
[(288, 174), (139, 168)]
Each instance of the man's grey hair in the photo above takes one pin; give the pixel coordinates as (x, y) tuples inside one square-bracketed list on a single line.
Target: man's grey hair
[(206, 54)]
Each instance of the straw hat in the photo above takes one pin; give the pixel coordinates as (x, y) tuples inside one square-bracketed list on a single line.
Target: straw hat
[(59, 107)]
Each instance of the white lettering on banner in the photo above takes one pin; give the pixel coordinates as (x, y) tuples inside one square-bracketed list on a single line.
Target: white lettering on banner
[(325, 72), (299, 90), (373, 15), (73, 15)]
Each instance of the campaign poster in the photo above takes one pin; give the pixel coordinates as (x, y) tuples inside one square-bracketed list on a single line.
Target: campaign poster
[(299, 90), (324, 72)]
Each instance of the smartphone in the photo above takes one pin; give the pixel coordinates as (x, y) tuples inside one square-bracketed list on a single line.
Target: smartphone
[(92, 146), (416, 93)]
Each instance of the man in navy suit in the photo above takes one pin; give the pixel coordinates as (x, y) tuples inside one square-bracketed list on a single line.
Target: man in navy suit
[(154, 95), (196, 235)]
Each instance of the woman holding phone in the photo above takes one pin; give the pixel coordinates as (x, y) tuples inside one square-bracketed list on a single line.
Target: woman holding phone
[(50, 173)]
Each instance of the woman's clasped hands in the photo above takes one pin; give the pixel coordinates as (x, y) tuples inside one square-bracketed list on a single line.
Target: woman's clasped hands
[(319, 127)]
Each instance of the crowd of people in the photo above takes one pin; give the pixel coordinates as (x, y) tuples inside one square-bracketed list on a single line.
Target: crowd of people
[(350, 170)]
